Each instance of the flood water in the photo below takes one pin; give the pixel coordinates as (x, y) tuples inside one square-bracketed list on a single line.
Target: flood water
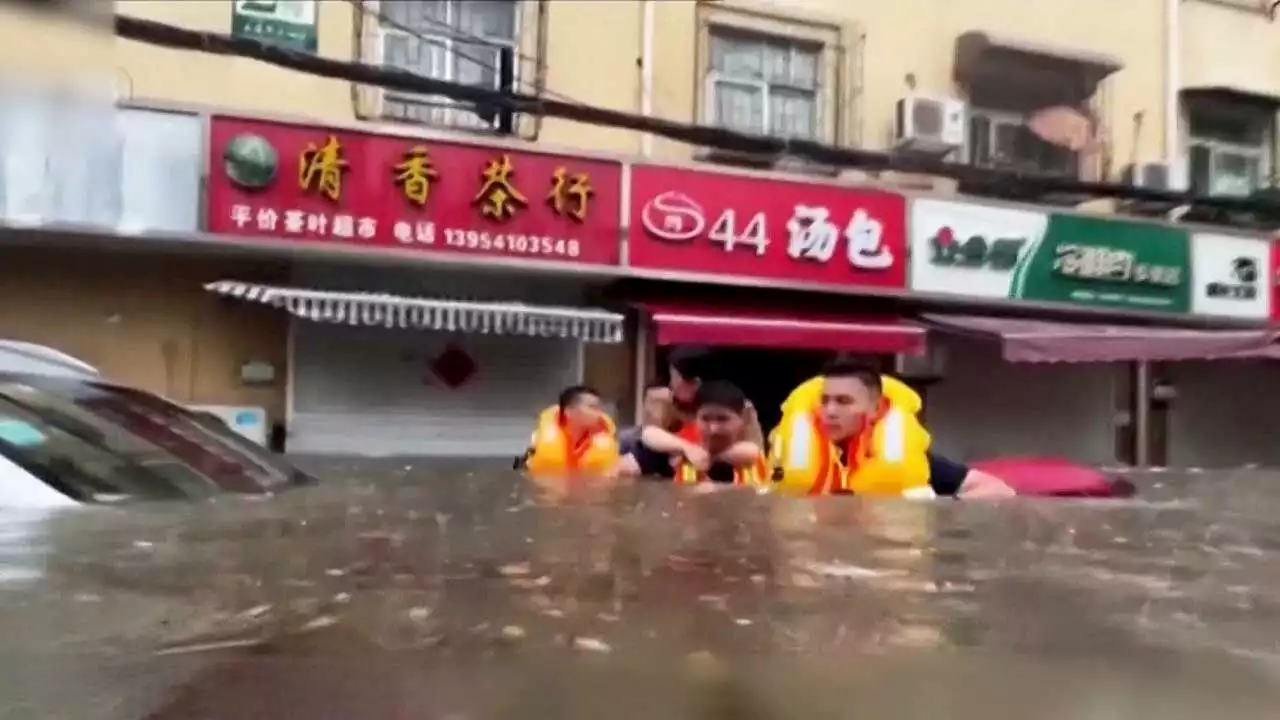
[(398, 590)]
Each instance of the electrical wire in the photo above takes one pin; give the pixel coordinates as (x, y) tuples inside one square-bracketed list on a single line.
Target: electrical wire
[(391, 78)]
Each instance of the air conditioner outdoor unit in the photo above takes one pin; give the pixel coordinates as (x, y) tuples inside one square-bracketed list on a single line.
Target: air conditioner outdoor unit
[(1152, 176), (930, 125)]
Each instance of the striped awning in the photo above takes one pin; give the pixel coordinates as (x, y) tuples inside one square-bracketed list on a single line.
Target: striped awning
[(394, 311)]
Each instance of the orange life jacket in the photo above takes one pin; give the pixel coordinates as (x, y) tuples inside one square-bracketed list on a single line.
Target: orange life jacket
[(550, 451), (757, 473), (885, 457)]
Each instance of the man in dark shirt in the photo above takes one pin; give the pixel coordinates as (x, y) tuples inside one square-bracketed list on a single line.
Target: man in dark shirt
[(655, 410)]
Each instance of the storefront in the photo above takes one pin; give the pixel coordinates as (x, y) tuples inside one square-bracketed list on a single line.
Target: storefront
[(763, 235), (450, 359), (1219, 415), (1007, 386)]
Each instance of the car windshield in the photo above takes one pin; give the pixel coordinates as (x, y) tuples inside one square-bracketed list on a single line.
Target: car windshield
[(101, 443)]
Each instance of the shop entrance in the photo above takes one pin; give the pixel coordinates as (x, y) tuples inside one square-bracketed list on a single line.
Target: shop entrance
[(766, 375)]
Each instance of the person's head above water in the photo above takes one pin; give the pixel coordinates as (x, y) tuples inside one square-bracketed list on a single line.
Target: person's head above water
[(688, 367), (720, 407), (657, 404), (581, 408), (850, 392)]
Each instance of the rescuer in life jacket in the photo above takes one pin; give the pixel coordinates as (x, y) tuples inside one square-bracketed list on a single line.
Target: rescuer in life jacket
[(714, 446), (655, 450), (946, 477), (856, 440), (573, 436)]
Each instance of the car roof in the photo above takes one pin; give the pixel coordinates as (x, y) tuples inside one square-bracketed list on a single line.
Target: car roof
[(25, 358)]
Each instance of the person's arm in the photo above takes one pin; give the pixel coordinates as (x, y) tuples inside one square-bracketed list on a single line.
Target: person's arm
[(741, 454), (979, 485), (659, 440), (754, 432), (946, 476), (628, 466), (952, 479)]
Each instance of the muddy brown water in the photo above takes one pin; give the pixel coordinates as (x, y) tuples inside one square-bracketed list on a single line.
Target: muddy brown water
[(400, 589)]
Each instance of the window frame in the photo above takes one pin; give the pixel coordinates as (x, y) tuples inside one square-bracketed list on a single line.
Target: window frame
[(714, 77), (997, 118), (1264, 151), (442, 110)]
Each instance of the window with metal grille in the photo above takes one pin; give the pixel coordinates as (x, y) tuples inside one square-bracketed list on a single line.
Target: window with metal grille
[(763, 85), (1002, 140), (459, 41), (1230, 148)]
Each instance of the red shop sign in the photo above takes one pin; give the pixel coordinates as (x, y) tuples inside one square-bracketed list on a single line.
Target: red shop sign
[(718, 224), (311, 184)]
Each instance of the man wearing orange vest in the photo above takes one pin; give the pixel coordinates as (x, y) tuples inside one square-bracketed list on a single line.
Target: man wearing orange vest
[(573, 436), (855, 440)]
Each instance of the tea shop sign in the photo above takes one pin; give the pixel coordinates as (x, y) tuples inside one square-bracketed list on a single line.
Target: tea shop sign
[(282, 181)]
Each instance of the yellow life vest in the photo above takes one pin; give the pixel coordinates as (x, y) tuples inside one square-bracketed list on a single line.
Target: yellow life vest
[(808, 395), (549, 452), (889, 458)]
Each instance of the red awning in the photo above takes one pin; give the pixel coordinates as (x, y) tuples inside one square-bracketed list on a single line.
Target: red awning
[(678, 325), (1045, 341)]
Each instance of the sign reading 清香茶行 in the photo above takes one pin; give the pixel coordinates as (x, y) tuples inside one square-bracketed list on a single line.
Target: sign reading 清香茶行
[(279, 180)]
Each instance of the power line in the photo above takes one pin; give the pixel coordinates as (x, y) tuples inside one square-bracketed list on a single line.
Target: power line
[(392, 78)]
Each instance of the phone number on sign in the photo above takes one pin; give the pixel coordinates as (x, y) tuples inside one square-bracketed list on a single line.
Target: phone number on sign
[(482, 241)]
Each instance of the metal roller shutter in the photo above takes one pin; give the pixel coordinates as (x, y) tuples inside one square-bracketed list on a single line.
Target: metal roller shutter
[(372, 391)]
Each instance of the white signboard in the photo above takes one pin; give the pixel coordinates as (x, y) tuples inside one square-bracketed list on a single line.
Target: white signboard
[(965, 249), (1230, 276)]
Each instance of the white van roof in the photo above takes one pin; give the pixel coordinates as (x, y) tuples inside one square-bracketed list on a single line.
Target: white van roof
[(32, 359)]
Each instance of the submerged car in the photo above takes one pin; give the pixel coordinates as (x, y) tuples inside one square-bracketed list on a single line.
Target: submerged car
[(69, 437)]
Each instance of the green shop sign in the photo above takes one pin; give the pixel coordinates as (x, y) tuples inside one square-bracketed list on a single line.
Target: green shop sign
[(1102, 262), (289, 23)]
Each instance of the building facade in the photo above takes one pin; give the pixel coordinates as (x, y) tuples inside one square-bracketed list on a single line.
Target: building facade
[(1161, 93)]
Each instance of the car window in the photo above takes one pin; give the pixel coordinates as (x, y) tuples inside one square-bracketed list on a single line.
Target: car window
[(78, 464), (154, 449)]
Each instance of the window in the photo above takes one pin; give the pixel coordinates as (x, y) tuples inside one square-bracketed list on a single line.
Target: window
[(455, 40), (1229, 149), (764, 85), (98, 443), (1002, 140)]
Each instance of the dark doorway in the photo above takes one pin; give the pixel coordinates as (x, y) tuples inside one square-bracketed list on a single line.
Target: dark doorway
[(767, 376)]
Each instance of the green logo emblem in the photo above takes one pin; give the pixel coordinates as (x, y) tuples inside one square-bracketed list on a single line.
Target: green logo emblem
[(1000, 254), (250, 161)]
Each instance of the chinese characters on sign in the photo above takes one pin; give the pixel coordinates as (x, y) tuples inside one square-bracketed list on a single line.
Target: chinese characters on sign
[(1105, 262), (1098, 262), (289, 23), (320, 169), (1000, 254), (1230, 273), (394, 192), (718, 224)]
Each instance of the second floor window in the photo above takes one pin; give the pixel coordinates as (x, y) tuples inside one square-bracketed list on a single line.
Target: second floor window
[(1003, 141), (1230, 149), (455, 40), (763, 85)]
